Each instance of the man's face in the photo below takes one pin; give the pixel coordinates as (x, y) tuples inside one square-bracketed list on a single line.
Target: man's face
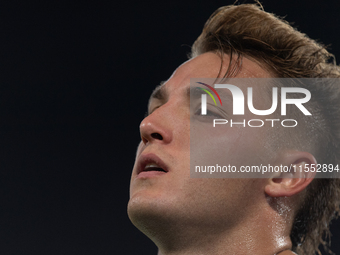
[(161, 188)]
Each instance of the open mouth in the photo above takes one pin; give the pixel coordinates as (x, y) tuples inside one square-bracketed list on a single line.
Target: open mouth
[(153, 167), (151, 163)]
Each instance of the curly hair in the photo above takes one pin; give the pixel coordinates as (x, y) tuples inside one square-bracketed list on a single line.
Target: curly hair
[(247, 30)]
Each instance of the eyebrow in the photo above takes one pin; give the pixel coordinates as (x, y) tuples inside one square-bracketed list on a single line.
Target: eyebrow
[(159, 92), (196, 92)]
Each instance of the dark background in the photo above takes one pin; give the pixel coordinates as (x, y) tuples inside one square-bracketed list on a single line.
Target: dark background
[(74, 82)]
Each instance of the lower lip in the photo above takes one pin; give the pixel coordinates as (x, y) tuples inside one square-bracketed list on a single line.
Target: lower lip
[(150, 174)]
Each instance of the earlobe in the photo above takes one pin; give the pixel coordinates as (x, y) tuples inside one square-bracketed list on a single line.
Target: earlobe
[(300, 174)]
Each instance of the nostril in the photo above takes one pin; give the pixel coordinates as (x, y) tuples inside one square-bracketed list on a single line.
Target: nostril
[(157, 136)]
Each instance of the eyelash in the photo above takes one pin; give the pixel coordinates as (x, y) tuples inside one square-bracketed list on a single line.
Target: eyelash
[(209, 113), (147, 113)]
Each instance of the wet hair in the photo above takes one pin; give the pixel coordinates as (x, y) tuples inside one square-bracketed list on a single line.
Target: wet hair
[(247, 30)]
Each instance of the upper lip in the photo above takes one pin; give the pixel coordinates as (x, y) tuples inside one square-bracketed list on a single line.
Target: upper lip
[(144, 160)]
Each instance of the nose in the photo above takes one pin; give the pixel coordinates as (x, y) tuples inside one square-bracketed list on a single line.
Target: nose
[(156, 128)]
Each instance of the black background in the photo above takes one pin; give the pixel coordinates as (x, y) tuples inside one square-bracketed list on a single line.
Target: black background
[(74, 82)]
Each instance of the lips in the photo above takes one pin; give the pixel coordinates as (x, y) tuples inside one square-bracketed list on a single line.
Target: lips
[(153, 167), (150, 163)]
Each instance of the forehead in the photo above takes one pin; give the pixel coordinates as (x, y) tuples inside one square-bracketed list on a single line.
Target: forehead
[(207, 65)]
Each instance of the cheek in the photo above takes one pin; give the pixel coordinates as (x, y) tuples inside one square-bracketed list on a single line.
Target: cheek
[(211, 199), (225, 146)]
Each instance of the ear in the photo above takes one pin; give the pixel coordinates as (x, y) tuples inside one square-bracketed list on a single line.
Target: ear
[(301, 173)]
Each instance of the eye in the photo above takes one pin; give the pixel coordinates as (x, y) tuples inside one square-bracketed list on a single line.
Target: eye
[(212, 112), (151, 110)]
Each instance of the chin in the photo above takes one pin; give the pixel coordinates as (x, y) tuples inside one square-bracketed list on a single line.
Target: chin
[(142, 205), (147, 210)]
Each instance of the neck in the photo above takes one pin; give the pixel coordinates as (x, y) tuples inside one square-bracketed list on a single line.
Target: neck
[(256, 234)]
